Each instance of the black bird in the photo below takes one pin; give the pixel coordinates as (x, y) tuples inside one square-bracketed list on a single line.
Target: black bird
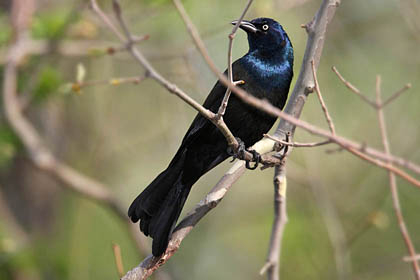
[(267, 70)]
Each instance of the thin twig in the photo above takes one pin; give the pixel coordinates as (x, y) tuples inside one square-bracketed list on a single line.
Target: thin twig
[(134, 40), (321, 100), (94, 6), (78, 86), (297, 144), (396, 95), (410, 259), (116, 249), (393, 182), (272, 265), (353, 88), (231, 36)]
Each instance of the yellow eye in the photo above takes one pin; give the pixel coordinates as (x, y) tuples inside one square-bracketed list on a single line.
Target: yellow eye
[(265, 27)]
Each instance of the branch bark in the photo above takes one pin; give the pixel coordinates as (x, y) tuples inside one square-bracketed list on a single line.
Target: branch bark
[(272, 265)]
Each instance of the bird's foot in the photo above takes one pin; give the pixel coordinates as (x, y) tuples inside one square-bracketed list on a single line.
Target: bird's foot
[(240, 154), (282, 149), (256, 157)]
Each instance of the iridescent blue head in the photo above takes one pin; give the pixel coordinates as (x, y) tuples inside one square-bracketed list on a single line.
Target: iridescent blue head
[(265, 35)]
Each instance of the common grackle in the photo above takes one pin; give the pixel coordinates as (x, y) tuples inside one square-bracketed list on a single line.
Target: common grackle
[(267, 70)]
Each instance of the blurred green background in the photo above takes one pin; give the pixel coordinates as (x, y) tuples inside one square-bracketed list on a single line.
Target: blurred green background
[(341, 222)]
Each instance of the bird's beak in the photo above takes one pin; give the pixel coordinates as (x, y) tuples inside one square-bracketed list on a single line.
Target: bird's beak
[(245, 25)]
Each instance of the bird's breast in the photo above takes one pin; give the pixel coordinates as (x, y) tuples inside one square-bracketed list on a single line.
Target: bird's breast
[(267, 74)]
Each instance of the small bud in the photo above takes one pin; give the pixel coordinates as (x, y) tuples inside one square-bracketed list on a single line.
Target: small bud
[(76, 87), (115, 82)]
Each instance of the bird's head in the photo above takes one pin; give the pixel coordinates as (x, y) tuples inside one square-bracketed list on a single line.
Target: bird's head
[(264, 34)]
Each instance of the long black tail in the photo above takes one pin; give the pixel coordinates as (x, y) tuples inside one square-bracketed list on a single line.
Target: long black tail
[(159, 205)]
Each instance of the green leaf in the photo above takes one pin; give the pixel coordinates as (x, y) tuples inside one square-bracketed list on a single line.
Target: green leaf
[(51, 25), (48, 83), (9, 144)]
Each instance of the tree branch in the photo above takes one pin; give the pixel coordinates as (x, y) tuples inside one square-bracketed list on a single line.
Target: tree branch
[(297, 144), (231, 36), (392, 180), (321, 100), (272, 265), (39, 153)]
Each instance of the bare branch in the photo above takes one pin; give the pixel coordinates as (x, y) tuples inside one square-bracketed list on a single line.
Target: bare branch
[(78, 86), (396, 95), (321, 100), (410, 259), (297, 144), (152, 73), (116, 249), (353, 88), (39, 153), (150, 264), (393, 182), (280, 219), (231, 36), (212, 199), (94, 6)]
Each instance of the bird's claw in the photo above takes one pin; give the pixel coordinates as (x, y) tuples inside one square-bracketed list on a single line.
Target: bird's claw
[(284, 148), (256, 157), (240, 154)]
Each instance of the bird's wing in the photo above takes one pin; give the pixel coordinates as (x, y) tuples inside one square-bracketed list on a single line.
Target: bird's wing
[(200, 124)]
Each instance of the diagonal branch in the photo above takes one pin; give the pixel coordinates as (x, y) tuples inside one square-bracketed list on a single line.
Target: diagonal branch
[(172, 88), (395, 95), (353, 89)]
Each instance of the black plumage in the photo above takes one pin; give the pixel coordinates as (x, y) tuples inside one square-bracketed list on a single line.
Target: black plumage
[(267, 70)]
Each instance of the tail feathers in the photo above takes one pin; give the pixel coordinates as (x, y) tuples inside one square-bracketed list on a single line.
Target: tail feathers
[(158, 207), (147, 203), (161, 225)]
